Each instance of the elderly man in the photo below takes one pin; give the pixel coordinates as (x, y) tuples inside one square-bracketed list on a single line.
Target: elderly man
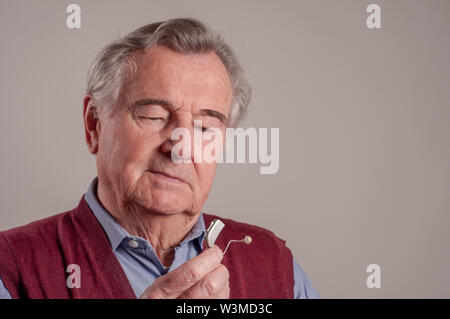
[(139, 231)]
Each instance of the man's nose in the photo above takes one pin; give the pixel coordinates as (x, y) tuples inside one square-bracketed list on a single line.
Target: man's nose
[(183, 151), (182, 131)]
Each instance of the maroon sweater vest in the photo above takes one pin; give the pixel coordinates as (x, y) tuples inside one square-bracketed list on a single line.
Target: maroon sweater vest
[(34, 259)]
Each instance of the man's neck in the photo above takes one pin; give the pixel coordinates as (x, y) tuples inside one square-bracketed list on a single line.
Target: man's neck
[(163, 231)]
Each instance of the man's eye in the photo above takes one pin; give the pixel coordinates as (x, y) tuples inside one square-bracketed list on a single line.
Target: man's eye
[(202, 128), (153, 119)]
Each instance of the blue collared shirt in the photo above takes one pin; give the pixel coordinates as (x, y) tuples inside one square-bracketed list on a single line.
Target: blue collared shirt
[(140, 262)]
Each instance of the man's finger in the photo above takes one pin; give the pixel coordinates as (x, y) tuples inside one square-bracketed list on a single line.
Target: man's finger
[(225, 293), (210, 286), (184, 277)]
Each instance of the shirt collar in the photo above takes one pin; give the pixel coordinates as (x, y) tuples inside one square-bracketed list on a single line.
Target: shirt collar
[(116, 233)]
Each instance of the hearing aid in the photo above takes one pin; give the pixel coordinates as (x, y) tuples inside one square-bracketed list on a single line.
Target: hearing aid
[(213, 232)]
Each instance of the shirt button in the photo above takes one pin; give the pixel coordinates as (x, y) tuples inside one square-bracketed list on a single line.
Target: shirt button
[(133, 243)]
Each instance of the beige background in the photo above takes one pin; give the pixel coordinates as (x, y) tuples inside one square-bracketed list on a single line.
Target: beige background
[(363, 115)]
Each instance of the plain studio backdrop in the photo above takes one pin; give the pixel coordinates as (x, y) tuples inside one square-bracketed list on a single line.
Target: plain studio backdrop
[(363, 115)]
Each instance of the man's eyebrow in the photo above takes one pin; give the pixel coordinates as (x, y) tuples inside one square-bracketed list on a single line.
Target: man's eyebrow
[(150, 101), (215, 114)]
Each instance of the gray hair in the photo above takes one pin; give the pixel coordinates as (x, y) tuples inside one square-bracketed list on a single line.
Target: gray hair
[(114, 64)]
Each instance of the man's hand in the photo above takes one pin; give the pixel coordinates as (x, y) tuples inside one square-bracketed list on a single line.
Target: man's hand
[(201, 277)]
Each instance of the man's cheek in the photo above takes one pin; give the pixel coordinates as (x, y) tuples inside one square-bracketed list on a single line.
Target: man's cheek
[(205, 177), (135, 152)]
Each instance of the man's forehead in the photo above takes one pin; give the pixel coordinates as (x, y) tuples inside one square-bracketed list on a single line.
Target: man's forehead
[(199, 79), (164, 62)]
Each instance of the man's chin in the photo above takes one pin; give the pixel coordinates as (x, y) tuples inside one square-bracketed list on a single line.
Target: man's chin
[(162, 198), (165, 205)]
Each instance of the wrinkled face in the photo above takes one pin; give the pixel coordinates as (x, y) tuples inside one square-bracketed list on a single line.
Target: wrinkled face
[(170, 90)]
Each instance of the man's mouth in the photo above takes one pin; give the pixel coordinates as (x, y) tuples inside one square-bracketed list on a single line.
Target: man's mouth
[(167, 177)]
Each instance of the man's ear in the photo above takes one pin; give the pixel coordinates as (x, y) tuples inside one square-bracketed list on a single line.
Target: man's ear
[(91, 124)]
